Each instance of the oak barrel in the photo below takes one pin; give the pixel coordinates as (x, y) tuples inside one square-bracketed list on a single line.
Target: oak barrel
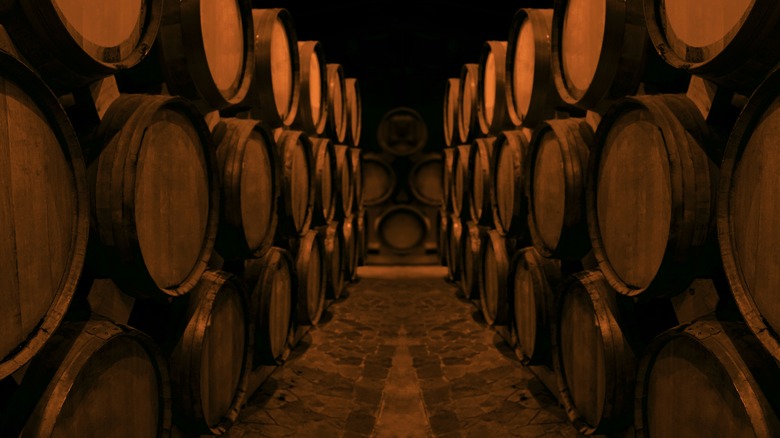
[(354, 113), (447, 178), (747, 213), (44, 209), (379, 180), (402, 132), (362, 236), (72, 43), (211, 361), (93, 378), (351, 232), (733, 43), (509, 170), (599, 49), (336, 126), (206, 50), (442, 238), (651, 203), (155, 195), (310, 271), (451, 112), (425, 179), (493, 279), (336, 258), (271, 282), (468, 121), (461, 193), (312, 111), (356, 155), (529, 79), (454, 236), (593, 361), (275, 92), (298, 182), (325, 180), (533, 280), (494, 101), (480, 155), (345, 194), (248, 176), (708, 378), (402, 228), (557, 178), (470, 243)]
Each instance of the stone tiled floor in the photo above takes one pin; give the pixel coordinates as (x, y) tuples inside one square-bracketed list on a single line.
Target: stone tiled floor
[(402, 356)]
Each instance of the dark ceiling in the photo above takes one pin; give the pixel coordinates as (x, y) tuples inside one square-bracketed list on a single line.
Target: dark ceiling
[(402, 51)]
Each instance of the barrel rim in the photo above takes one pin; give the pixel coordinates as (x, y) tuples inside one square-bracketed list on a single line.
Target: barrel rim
[(498, 245), (376, 158), (471, 237), (423, 161), (306, 248), (518, 141), (303, 117), (332, 234), (336, 75), (401, 208), (354, 124), (451, 89), (323, 149), (504, 115), (467, 129), (462, 204), (287, 142), (483, 147), (344, 164)]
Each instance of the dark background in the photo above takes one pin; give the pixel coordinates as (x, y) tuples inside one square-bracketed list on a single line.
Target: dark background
[(402, 52)]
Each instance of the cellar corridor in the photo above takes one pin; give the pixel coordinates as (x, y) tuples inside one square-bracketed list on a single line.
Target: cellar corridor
[(402, 355)]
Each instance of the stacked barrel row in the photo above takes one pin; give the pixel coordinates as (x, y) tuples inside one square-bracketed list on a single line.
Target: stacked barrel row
[(178, 191), (402, 191), (592, 181)]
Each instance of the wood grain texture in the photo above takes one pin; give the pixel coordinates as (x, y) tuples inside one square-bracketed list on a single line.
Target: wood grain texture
[(310, 270), (721, 362), (379, 179), (298, 186), (451, 112), (276, 84), (494, 290), (425, 179), (402, 132), (271, 280), (650, 204), (593, 362), (737, 47), (336, 127), (44, 210), (93, 378), (509, 168), (325, 180), (210, 363), (72, 43), (156, 164), (312, 113), (468, 122), (248, 177), (557, 179)]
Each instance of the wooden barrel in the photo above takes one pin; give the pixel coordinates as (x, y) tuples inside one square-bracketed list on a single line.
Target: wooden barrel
[(156, 195), (275, 90), (247, 170), (529, 79), (508, 181), (336, 257), (271, 281), (442, 239), (379, 180), (451, 112), (402, 132), (402, 228), (425, 179), (470, 243), (310, 271), (354, 113), (460, 193), (296, 203), (96, 378), (336, 126), (345, 194), (557, 178), (733, 43), (325, 180), (720, 362), (356, 155), (598, 49), (206, 51), (351, 242), (533, 280), (44, 211), (210, 363), (594, 364), (362, 236), (746, 214), (480, 155), (494, 279), (468, 122), (312, 112), (72, 44), (494, 103), (650, 203), (454, 236), (447, 177)]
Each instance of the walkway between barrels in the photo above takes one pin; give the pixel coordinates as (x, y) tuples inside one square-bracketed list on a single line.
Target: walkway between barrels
[(402, 356)]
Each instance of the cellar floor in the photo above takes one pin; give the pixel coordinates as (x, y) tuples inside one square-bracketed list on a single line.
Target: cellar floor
[(402, 355)]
